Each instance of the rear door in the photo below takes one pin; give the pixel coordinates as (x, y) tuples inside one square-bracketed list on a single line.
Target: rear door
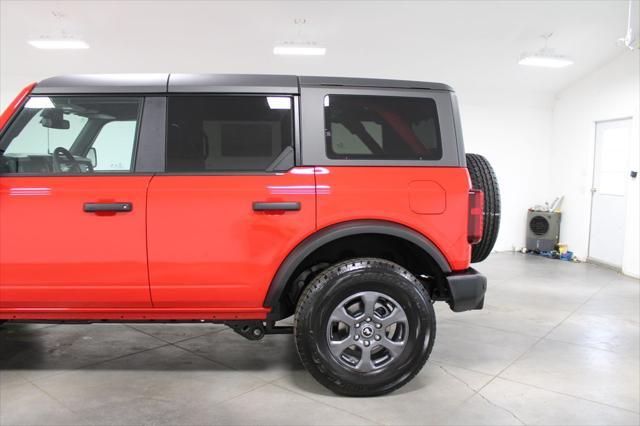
[(72, 210), (230, 206)]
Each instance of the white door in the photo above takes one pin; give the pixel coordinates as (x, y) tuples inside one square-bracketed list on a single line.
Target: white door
[(610, 173)]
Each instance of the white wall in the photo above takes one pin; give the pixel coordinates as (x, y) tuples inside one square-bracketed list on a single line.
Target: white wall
[(611, 92), (516, 140)]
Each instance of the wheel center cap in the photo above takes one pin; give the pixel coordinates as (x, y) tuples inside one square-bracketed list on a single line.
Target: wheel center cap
[(367, 331)]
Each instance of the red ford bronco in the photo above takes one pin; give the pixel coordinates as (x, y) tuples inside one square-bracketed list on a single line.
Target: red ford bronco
[(347, 203)]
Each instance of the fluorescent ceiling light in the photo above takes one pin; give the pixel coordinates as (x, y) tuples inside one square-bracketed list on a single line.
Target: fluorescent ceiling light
[(68, 43), (545, 60), (299, 50), (39, 102), (279, 102)]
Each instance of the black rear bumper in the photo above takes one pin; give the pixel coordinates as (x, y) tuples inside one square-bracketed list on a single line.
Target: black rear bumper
[(466, 290)]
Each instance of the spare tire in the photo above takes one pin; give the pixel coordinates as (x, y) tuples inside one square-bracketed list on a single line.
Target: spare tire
[(484, 179)]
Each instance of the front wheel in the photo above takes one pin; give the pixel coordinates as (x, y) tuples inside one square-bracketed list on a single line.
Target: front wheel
[(364, 327)]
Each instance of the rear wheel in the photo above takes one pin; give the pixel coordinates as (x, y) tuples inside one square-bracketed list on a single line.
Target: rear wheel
[(484, 178), (364, 327)]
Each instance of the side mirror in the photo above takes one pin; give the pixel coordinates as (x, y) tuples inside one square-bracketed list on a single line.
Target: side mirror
[(53, 119), (92, 156)]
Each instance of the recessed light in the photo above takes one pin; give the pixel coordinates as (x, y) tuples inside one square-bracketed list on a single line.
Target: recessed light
[(47, 43), (299, 50), (545, 60)]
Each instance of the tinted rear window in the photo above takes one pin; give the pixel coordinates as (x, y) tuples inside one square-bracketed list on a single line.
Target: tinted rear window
[(227, 133), (381, 127)]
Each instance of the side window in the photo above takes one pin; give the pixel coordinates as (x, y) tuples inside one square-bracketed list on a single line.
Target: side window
[(38, 139), (72, 134), (381, 127), (227, 133), (114, 145)]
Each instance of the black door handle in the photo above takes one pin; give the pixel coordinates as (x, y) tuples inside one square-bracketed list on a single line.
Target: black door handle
[(276, 206), (107, 207)]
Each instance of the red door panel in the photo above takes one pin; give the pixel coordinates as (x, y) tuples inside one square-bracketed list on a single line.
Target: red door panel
[(53, 254), (431, 200), (209, 248)]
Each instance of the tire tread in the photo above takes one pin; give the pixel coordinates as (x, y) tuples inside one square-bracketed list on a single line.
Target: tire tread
[(484, 178)]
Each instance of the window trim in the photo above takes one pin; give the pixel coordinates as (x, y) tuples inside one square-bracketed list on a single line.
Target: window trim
[(328, 140), (295, 135), (134, 154)]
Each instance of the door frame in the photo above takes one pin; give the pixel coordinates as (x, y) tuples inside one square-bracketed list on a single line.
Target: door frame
[(593, 182)]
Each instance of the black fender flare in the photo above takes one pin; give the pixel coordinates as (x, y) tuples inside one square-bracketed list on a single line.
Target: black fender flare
[(341, 230)]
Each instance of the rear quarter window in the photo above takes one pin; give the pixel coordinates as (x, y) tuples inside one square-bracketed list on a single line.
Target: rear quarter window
[(381, 127)]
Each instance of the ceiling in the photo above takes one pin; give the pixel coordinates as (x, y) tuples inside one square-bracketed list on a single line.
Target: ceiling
[(471, 45)]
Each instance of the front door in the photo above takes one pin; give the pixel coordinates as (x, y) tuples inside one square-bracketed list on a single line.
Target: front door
[(72, 215), (608, 206), (230, 207)]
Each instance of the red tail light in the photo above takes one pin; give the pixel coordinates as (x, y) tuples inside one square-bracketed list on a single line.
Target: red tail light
[(476, 216)]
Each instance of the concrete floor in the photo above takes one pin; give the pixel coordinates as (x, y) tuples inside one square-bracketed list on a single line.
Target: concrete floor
[(557, 343)]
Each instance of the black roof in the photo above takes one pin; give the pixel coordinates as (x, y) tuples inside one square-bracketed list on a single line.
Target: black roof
[(194, 83)]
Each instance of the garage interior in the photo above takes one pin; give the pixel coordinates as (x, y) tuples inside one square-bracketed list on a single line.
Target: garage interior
[(558, 340)]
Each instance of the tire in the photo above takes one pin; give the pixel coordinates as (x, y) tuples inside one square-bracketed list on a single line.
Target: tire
[(484, 178), (385, 286)]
